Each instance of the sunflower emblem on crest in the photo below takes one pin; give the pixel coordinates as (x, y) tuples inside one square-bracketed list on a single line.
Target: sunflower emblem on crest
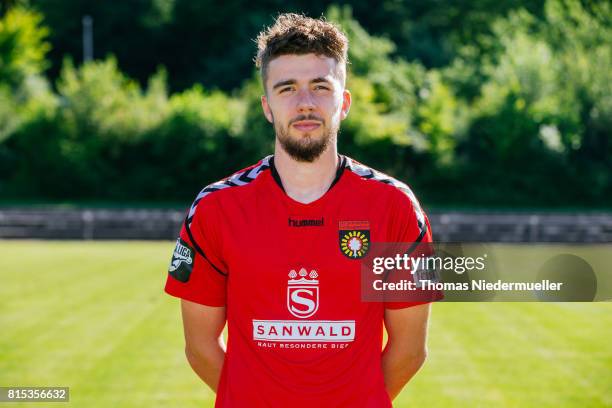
[(354, 238)]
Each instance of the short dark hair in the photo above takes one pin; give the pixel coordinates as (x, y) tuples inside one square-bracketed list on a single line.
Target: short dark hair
[(297, 34)]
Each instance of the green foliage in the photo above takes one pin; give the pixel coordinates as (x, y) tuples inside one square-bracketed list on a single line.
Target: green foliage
[(9, 119), (257, 133), (210, 43), (196, 144), (542, 109), (366, 53), (442, 119), (98, 100), (399, 108), (23, 92), (517, 112), (22, 46), (110, 138), (582, 38)]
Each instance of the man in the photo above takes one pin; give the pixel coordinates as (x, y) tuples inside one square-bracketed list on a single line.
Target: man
[(275, 251)]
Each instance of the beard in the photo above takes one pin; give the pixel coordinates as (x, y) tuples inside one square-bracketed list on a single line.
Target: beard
[(305, 148)]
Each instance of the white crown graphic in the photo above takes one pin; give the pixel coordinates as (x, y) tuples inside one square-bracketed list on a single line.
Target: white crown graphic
[(304, 277)]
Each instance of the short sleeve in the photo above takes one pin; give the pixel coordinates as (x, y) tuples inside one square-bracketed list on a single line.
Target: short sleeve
[(409, 224), (197, 272)]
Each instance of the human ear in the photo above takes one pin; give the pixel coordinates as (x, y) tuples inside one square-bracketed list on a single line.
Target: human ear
[(266, 109), (346, 104)]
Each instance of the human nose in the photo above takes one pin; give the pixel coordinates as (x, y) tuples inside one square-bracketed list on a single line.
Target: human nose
[(305, 101)]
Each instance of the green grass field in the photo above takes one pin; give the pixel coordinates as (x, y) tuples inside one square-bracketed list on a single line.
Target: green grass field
[(92, 316)]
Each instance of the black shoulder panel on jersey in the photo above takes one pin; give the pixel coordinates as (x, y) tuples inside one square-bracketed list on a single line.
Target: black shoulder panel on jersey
[(238, 179), (199, 249), (371, 174)]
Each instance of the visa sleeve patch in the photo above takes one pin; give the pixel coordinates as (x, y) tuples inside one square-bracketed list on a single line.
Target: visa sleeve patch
[(182, 261)]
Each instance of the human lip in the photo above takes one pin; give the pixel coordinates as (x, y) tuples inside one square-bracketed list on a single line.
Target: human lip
[(306, 125)]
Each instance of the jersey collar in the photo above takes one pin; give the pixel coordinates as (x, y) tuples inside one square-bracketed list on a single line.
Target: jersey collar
[(342, 162)]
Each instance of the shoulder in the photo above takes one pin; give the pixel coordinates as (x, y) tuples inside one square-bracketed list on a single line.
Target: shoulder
[(213, 192), (394, 190)]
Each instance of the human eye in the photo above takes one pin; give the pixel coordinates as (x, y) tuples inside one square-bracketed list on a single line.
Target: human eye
[(285, 89)]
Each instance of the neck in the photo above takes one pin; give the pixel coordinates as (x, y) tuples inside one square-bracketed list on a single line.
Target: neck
[(306, 182)]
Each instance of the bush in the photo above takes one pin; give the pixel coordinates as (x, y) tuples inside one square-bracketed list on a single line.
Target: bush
[(109, 139), (525, 104)]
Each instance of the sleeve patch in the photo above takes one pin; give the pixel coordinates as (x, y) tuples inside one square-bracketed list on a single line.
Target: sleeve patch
[(422, 273), (182, 261)]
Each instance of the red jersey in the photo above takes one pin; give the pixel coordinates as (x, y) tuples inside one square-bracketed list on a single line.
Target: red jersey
[(288, 273)]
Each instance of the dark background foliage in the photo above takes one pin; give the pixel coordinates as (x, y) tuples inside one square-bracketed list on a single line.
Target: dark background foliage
[(475, 104)]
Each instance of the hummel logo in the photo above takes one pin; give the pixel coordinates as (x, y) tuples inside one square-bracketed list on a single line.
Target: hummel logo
[(317, 222)]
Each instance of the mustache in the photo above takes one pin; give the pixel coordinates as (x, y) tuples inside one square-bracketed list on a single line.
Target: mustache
[(306, 117)]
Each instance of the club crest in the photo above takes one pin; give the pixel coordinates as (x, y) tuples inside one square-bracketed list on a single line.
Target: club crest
[(354, 238)]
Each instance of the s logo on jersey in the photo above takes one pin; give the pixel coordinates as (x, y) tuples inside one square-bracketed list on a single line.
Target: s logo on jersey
[(354, 237), (303, 302), (303, 293)]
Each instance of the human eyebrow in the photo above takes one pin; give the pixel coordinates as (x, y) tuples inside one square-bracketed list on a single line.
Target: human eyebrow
[(284, 83), (320, 80)]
